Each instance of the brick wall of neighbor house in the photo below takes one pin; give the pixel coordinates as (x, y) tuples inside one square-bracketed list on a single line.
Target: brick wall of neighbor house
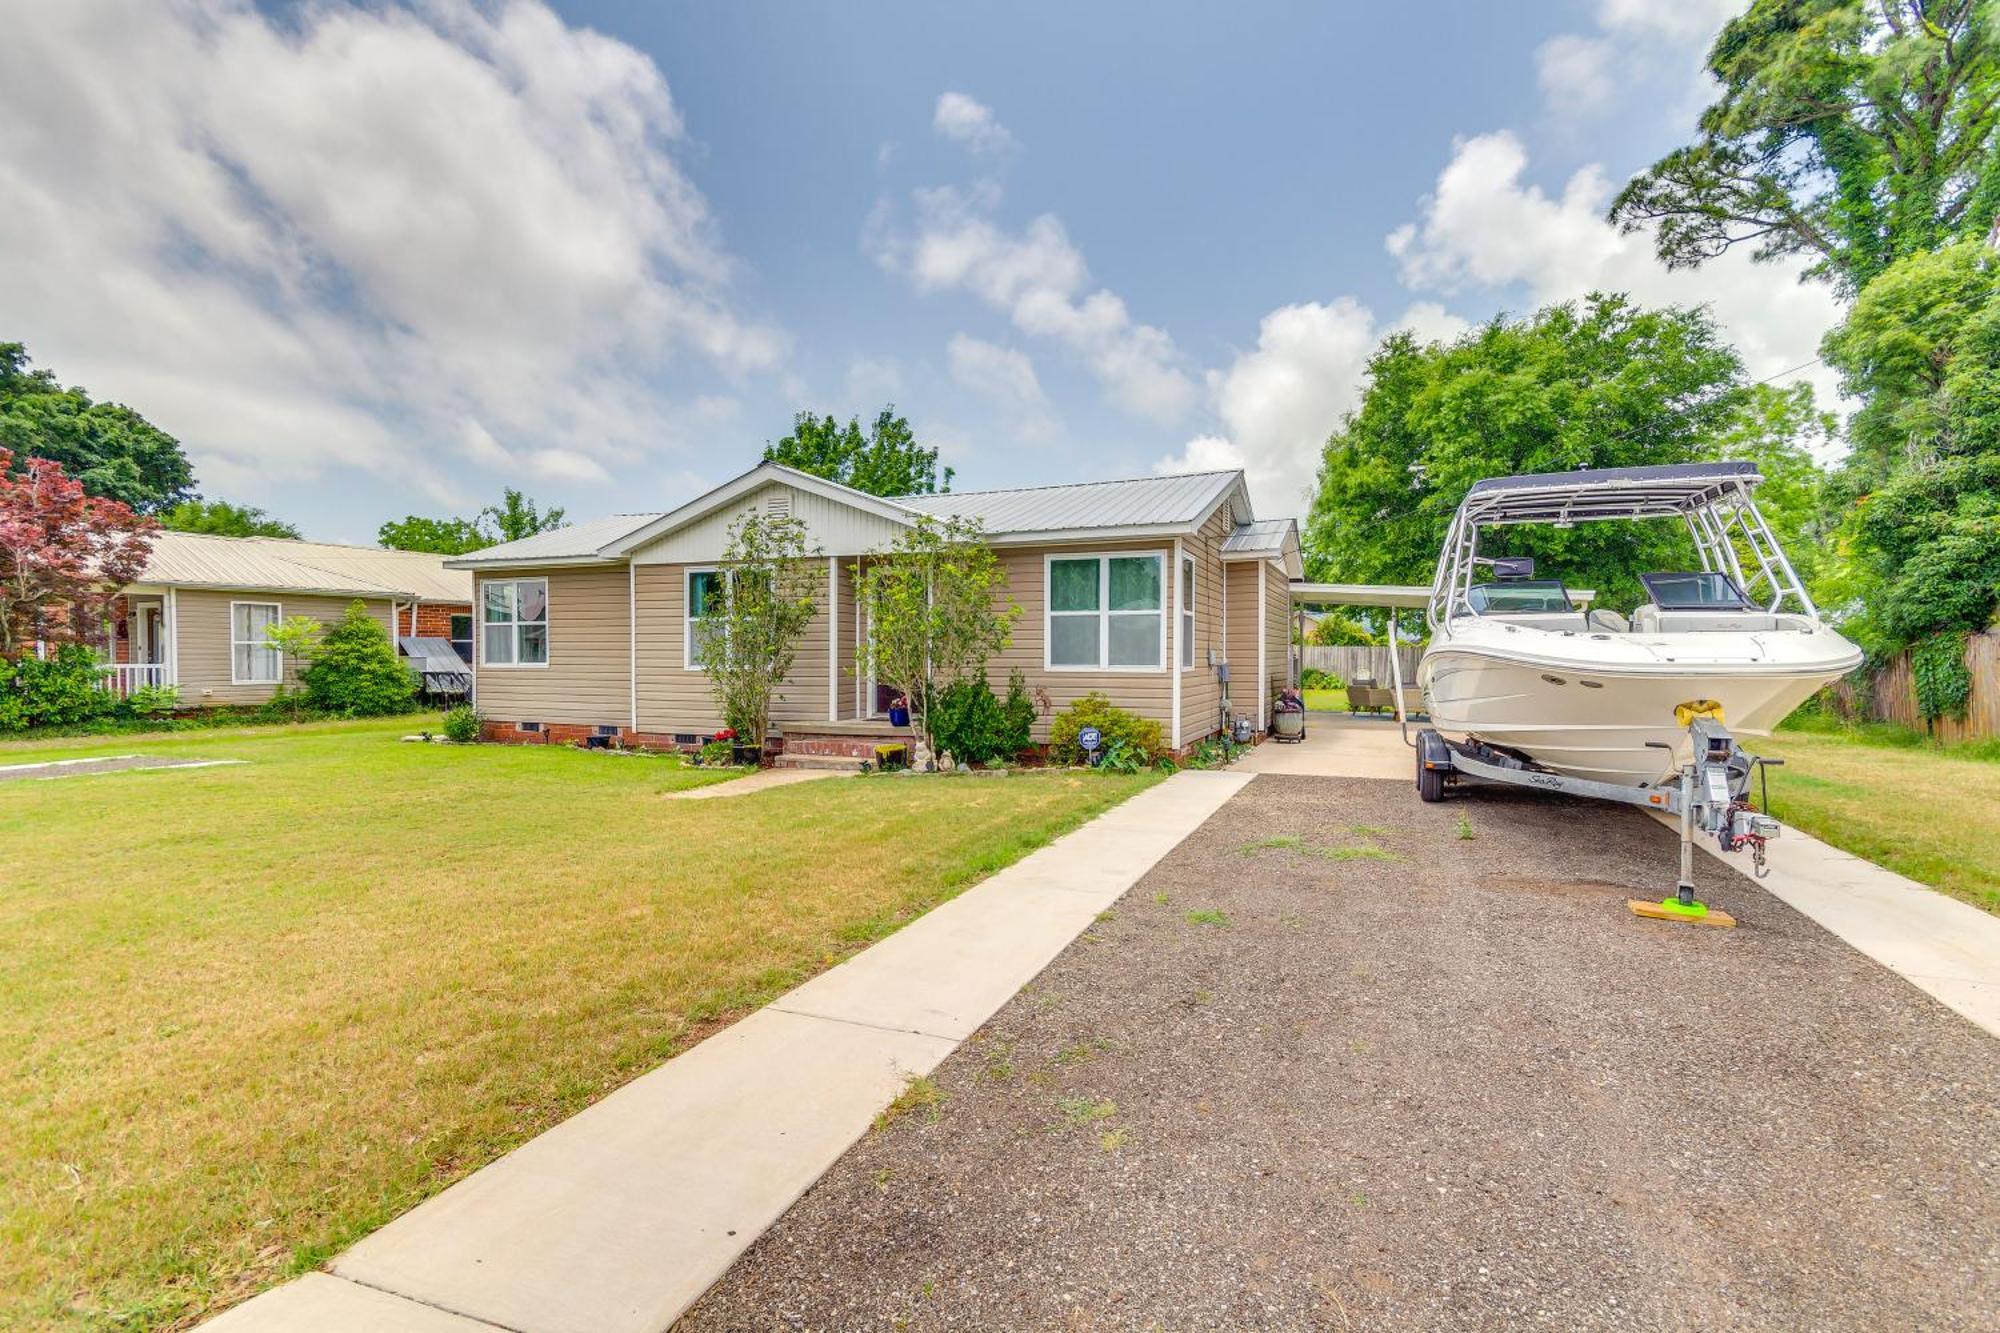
[(1201, 692), (1148, 693), (433, 619), (1244, 632), (202, 621), (1277, 629), (587, 680)]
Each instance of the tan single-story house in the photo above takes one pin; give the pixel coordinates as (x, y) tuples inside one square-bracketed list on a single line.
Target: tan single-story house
[(196, 616), (1167, 594)]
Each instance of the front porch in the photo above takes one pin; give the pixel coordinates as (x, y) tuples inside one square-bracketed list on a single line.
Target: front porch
[(843, 742), (138, 646)]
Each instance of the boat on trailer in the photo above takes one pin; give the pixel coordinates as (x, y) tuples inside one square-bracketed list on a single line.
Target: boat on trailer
[(1525, 686)]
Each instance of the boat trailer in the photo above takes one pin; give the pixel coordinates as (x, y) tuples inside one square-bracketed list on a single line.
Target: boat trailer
[(1710, 795)]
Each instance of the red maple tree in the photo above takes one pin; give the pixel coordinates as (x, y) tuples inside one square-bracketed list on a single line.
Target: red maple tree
[(63, 555)]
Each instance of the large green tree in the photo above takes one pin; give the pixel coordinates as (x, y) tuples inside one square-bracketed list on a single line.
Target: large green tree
[(1921, 350), (887, 460), (515, 517), (1596, 383), (1853, 132), (219, 518), (112, 450)]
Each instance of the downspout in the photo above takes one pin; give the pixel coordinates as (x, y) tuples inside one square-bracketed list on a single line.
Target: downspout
[(1263, 650)]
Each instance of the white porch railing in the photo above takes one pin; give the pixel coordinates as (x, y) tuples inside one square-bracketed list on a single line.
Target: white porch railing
[(121, 678)]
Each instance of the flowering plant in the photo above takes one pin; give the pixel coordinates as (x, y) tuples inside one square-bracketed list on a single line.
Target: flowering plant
[(726, 734)]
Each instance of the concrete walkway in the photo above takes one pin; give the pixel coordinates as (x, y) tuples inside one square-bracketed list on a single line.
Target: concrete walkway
[(1337, 746), (753, 783), (618, 1218)]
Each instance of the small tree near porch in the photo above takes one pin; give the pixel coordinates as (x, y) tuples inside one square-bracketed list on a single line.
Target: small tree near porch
[(938, 614), (751, 617), (63, 556)]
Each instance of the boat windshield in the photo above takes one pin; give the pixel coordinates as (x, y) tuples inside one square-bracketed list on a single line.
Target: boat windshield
[(1518, 597), (1695, 592)]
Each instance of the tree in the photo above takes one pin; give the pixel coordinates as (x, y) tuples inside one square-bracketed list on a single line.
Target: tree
[(1921, 349), (219, 518), (1778, 429), (757, 608), (1853, 133), (108, 448), (513, 518), (355, 672), (1335, 630), (1599, 383), (939, 611), (886, 461), (441, 536), (64, 555)]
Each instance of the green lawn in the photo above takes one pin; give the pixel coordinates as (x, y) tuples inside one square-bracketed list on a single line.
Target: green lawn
[(1924, 811), (249, 1013), (1325, 701)]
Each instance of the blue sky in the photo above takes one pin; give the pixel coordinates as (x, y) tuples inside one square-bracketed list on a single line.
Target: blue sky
[(379, 260)]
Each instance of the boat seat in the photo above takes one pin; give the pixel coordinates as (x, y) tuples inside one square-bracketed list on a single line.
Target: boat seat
[(1606, 619), (1553, 621), (1650, 619)]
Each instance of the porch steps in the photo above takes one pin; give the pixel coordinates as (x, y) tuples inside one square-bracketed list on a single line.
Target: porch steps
[(838, 763)]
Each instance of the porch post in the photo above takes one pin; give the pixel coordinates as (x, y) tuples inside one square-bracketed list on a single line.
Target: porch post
[(172, 624), (1177, 593), (1263, 651), (833, 638)]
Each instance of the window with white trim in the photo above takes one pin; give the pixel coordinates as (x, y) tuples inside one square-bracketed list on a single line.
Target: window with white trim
[(514, 622), (1106, 612), (705, 589), (253, 659), (1187, 612)]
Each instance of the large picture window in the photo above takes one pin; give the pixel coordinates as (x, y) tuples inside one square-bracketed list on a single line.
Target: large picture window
[(704, 600), (1106, 612), (515, 622), (252, 659)]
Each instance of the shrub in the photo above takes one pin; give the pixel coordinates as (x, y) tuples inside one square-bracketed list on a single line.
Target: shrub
[(1017, 717), (57, 691), (461, 724), (355, 671), (976, 727), (1312, 678), (720, 753), (1135, 735), (154, 700)]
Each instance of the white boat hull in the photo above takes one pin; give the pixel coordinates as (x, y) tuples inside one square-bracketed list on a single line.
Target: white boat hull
[(1602, 721)]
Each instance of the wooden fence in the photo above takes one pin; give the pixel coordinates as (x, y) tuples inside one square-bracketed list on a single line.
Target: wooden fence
[(1894, 696), (1349, 662)]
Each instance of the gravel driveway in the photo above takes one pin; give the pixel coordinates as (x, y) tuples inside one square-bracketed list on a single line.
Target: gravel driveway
[(1378, 1075)]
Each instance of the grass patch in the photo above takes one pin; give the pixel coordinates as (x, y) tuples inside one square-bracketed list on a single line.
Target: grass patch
[(1922, 810), (1080, 1111), (1356, 853), (1292, 842), (920, 1095), (1465, 833), (250, 1013), (1111, 1140), (1288, 842), (1207, 916), (1325, 701)]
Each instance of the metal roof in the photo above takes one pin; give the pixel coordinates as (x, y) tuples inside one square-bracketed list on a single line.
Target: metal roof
[(1266, 536), (578, 541), (198, 560), (1607, 493), (1141, 502)]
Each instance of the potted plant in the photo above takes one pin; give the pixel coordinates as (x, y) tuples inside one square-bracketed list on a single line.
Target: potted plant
[(899, 711)]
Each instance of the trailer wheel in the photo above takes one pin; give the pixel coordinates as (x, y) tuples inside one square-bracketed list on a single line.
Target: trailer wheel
[(1432, 765)]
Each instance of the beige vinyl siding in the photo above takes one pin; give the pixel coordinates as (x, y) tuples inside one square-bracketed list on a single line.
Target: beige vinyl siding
[(830, 526), (1201, 692), (1277, 629), (202, 621), (1148, 693), (673, 698), (847, 687), (588, 677), (1244, 632)]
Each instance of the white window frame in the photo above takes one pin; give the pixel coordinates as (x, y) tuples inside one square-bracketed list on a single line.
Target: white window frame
[(688, 617), (1104, 611), (277, 618), (480, 623), (1186, 575)]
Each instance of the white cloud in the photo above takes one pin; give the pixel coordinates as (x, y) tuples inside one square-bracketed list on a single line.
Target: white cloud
[(1575, 71), (1006, 376), (1680, 20), (374, 238), (1040, 280), (965, 120), (1484, 229), (1279, 401)]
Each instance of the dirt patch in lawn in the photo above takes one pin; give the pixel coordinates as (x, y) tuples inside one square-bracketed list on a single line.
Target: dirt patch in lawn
[(1462, 1088)]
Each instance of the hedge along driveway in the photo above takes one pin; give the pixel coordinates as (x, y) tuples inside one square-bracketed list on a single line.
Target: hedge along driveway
[(249, 1013)]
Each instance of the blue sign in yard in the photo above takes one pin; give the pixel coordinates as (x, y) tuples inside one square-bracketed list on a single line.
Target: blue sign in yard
[(1090, 738)]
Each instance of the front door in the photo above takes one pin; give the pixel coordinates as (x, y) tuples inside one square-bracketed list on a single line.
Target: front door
[(148, 646)]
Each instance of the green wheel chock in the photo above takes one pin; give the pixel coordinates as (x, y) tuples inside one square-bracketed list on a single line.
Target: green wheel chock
[(1679, 908)]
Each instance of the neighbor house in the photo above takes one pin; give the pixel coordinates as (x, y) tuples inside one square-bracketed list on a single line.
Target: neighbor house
[(1165, 593), (195, 618)]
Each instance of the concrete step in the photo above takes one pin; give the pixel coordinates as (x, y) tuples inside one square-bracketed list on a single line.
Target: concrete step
[(840, 763)]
